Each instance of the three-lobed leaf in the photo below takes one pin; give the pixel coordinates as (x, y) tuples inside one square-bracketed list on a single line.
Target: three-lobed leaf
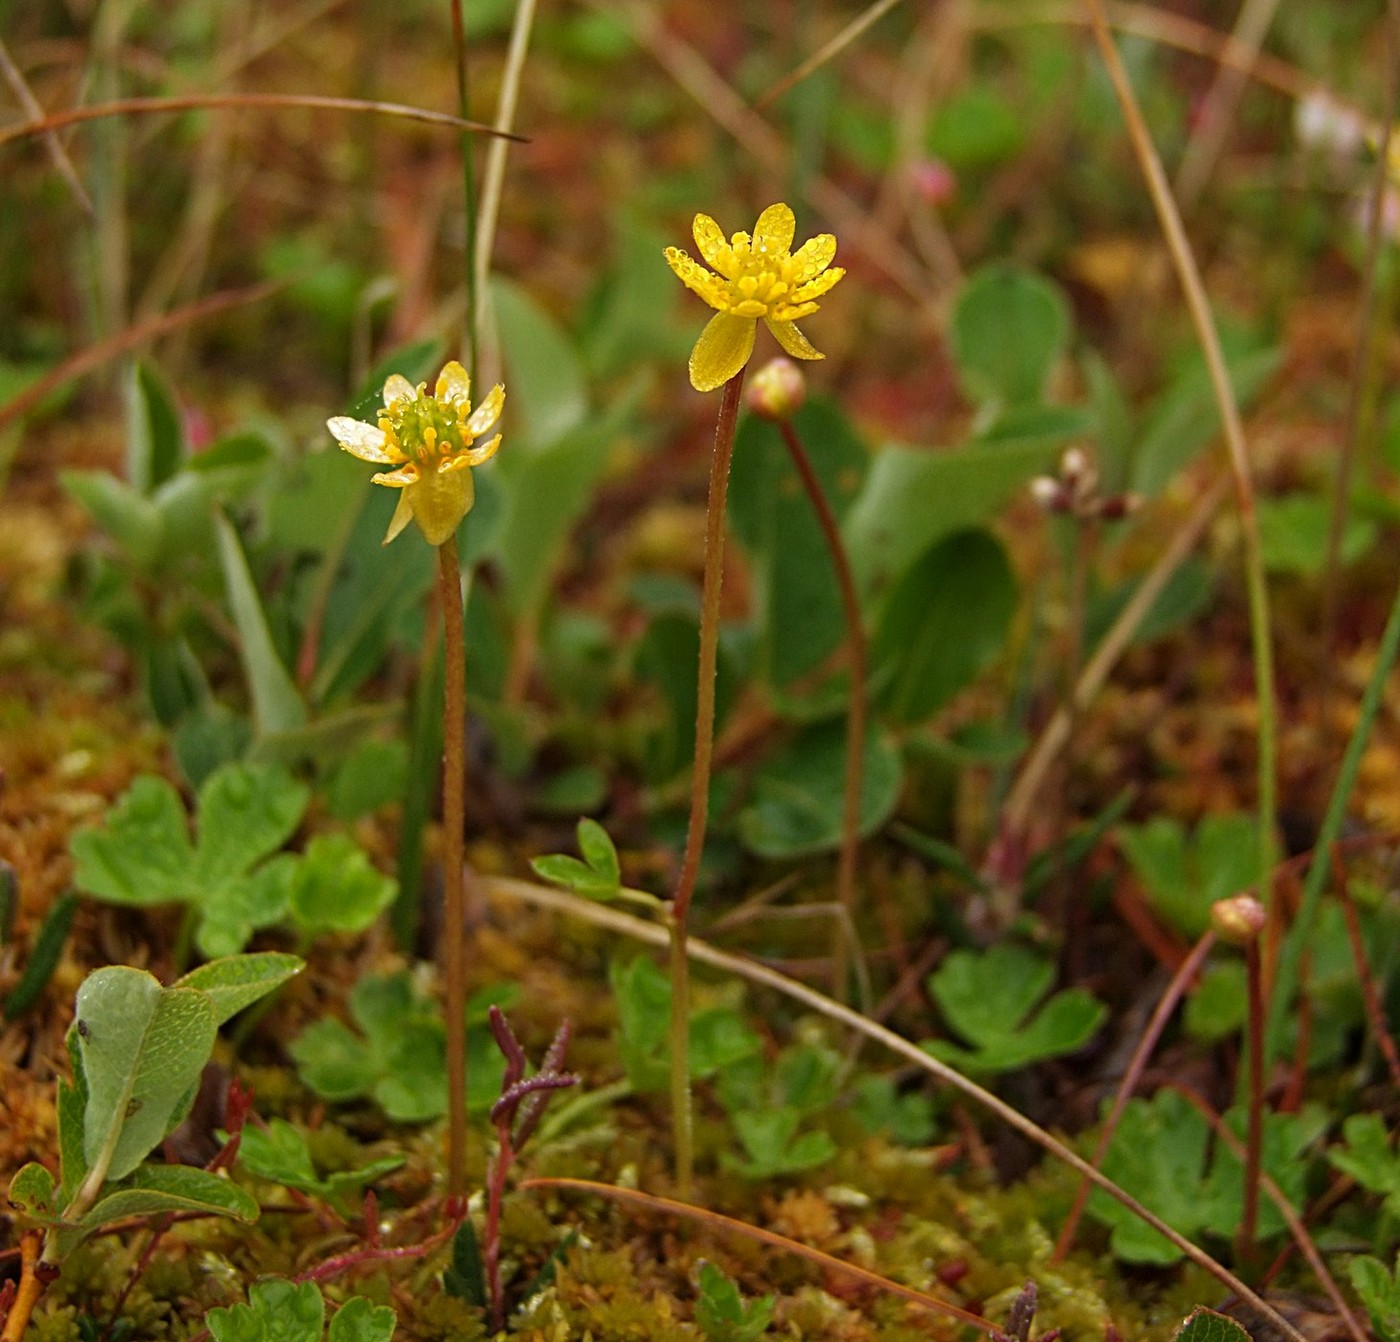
[(990, 999)]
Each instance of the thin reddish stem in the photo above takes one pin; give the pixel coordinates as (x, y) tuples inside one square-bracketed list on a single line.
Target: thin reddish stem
[(454, 892), (1176, 989)]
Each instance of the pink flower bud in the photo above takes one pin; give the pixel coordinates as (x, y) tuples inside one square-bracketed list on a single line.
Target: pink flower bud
[(1238, 920), (777, 390)]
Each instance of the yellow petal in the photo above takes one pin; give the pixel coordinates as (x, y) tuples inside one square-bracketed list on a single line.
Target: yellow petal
[(403, 515), (439, 503), (773, 232), (405, 475), (363, 440), (398, 388), (816, 288), (696, 278), (487, 413), (813, 257), (453, 384), (722, 350), (474, 456), (713, 245), (792, 340)]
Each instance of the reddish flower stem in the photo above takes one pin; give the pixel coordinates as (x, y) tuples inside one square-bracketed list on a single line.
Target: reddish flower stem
[(700, 781), (1180, 981), (454, 893)]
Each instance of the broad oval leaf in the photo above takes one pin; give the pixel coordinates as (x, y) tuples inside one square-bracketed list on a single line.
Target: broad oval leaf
[(945, 621)]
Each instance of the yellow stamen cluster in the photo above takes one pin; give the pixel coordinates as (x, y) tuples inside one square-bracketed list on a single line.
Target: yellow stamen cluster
[(428, 440), (753, 278)]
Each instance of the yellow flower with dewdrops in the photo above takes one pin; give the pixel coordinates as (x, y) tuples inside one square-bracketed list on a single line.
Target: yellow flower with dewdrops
[(758, 277), (428, 440)]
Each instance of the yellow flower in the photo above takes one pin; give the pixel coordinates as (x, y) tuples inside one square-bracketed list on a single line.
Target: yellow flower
[(428, 439), (759, 276)]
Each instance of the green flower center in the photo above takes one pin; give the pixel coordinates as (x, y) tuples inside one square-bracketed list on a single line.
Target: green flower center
[(423, 428)]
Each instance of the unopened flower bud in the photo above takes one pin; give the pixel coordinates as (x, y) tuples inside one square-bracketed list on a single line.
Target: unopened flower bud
[(1238, 920), (777, 390), (1118, 506), (1049, 493)]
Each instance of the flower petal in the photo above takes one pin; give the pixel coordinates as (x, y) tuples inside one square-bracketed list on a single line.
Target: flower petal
[(363, 440), (816, 288), (398, 388), (772, 235), (487, 413), (813, 257), (722, 350), (713, 245), (453, 384), (696, 278), (405, 475), (474, 456), (403, 515), (439, 504), (792, 340)]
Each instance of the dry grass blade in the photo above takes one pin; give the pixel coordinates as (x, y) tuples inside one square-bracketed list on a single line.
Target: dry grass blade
[(1189, 276), (15, 79), (827, 52), (193, 102), (1213, 124), (96, 355), (727, 1224), (638, 930)]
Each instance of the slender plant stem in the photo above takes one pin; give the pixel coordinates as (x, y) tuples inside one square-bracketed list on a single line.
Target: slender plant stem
[(454, 893), (600, 915), (1189, 276), (856, 713), (1176, 989), (1285, 981), (471, 325), (700, 779), (1254, 1123)]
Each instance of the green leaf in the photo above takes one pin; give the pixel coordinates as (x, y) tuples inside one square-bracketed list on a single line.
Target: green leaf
[(359, 1320), (721, 1313), (277, 705), (799, 614), (666, 658), (945, 622), (988, 999), (561, 869), (336, 888), (143, 854), (1379, 1290), (773, 1145), (1294, 531), (32, 1190), (143, 1048), (914, 497), (547, 392), (598, 850), (1205, 1325), (1008, 328), (126, 515), (170, 1188), (465, 1278), (1186, 416), (1184, 876), (277, 1311), (154, 437), (43, 957), (1160, 1151), (280, 1153), (237, 981), (246, 811), (799, 792), (1370, 1158), (1219, 1007)]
